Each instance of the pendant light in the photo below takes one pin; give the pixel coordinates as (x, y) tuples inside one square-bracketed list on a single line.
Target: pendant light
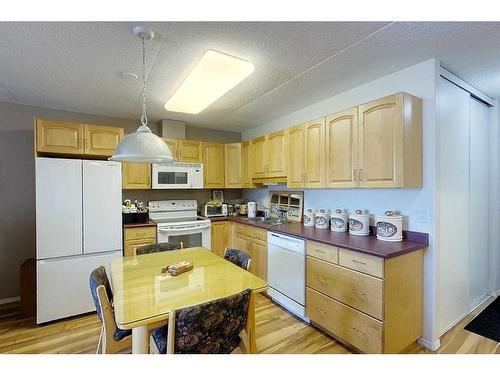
[(143, 146)]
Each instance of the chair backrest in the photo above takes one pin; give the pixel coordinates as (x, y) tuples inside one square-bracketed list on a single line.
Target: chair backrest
[(212, 327), (157, 247), (238, 257), (98, 277), (102, 295)]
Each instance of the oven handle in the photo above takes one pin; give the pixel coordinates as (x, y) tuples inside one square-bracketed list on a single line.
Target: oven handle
[(183, 229)]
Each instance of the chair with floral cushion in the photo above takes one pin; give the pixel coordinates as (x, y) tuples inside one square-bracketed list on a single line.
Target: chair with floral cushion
[(112, 339), (214, 327), (238, 257), (157, 247)]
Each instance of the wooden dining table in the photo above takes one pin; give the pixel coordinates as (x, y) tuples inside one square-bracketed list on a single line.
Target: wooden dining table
[(144, 295)]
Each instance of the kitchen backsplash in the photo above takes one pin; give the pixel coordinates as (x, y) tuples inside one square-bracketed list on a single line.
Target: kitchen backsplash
[(201, 196)]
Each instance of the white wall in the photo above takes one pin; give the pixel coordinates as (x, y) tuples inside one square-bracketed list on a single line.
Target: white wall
[(419, 80), (494, 240)]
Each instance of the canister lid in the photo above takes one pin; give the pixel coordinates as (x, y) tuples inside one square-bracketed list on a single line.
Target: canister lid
[(338, 210)]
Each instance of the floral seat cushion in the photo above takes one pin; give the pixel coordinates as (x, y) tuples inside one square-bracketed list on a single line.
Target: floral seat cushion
[(238, 257), (212, 327)]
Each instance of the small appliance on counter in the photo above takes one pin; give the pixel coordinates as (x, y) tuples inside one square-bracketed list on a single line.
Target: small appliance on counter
[(322, 220), (389, 227), (339, 221), (252, 209), (242, 209), (309, 218), (359, 223), (231, 210), (134, 213), (215, 209)]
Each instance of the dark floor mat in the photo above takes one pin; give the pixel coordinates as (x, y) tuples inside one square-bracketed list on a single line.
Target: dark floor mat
[(487, 323)]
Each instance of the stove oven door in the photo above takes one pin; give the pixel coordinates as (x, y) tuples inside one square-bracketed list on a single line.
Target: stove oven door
[(187, 236)]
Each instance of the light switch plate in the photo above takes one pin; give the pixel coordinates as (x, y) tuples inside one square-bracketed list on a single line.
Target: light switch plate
[(422, 215)]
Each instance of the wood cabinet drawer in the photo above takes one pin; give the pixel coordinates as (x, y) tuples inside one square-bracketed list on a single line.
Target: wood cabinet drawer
[(351, 326), (132, 245), (363, 292), (140, 232), (365, 263), (247, 230), (322, 251)]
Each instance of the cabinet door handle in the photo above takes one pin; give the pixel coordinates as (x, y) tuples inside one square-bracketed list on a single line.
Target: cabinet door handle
[(361, 174), (358, 332), (320, 251), (359, 262), (359, 292), (354, 175), (321, 278), (320, 311)]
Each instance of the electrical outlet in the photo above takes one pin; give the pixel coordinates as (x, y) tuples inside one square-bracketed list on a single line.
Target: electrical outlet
[(422, 215)]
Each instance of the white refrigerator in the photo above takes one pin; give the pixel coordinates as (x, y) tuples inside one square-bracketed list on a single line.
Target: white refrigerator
[(78, 228)]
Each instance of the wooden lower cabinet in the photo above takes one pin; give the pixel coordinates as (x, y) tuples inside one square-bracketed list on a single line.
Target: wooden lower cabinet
[(135, 237), (351, 326), (254, 242), (219, 237), (370, 303)]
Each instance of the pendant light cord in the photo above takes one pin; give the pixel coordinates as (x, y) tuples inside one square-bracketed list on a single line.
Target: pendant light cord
[(144, 117)]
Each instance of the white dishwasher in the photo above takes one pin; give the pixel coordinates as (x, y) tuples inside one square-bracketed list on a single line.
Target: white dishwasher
[(286, 272)]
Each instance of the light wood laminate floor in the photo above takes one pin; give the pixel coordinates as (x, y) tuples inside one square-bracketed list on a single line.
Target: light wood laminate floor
[(277, 332)]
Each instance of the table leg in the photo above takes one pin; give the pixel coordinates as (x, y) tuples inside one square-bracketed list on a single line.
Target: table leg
[(251, 325), (140, 340)]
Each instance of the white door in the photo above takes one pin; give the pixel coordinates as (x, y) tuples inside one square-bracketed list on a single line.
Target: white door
[(58, 207), (453, 203), (63, 285), (102, 214), (479, 203)]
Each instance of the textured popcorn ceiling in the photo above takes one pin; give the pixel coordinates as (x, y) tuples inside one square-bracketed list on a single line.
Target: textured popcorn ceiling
[(76, 66)]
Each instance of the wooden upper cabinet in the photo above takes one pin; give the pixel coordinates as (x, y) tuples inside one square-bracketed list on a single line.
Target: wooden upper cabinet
[(342, 149), (173, 145), (190, 151), (59, 137), (102, 140), (69, 138), (314, 153), (136, 176), (295, 156), (246, 170), (390, 142), (232, 163), (213, 165), (258, 157), (275, 152)]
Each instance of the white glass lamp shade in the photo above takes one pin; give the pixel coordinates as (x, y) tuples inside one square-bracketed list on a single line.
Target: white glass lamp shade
[(143, 147)]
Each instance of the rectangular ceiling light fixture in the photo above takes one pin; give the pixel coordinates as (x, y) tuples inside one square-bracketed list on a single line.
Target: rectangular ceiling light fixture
[(214, 75)]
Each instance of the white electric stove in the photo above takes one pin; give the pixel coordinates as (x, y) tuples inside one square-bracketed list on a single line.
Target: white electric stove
[(177, 221)]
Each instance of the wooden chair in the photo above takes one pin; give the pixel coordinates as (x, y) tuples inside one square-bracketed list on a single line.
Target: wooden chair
[(157, 247), (112, 339), (239, 257), (215, 327)]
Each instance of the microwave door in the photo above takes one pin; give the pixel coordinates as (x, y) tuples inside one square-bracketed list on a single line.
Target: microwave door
[(172, 179)]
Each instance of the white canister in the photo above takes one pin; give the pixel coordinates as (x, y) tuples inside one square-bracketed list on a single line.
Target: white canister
[(390, 227), (322, 220), (359, 223), (309, 217), (338, 221), (252, 209)]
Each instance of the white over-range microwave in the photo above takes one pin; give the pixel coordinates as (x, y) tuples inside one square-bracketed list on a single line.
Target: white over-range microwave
[(177, 176)]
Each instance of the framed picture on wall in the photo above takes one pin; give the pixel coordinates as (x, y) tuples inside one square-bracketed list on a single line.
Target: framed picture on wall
[(218, 195)]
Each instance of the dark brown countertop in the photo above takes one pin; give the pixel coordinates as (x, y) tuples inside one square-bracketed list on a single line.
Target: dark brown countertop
[(149, 223), (412, 241)]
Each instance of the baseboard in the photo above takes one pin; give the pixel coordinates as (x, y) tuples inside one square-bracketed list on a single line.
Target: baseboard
[(496, 293), (431, 345), (9, 300)]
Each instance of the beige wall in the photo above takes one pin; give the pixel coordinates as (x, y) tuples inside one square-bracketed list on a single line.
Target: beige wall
[(17, 182)]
